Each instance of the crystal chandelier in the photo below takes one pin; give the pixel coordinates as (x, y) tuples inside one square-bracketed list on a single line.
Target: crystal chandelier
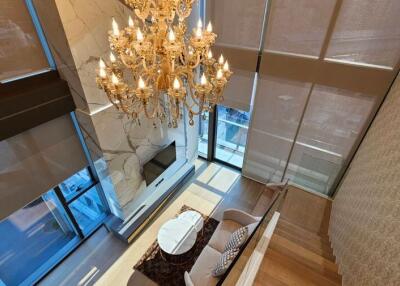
[(167, 67)]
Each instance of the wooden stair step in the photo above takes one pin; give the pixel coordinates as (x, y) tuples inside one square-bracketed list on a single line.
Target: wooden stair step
[(269, 280), (285, 270), (313, 245), (288, 222), (306, 257), (298, 230), (312, 238)]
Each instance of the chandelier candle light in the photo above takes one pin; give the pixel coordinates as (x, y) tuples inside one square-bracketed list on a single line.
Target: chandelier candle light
[(169, 69)]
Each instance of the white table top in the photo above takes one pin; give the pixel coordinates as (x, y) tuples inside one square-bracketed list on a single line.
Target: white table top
[(194, 218), (178, 235)]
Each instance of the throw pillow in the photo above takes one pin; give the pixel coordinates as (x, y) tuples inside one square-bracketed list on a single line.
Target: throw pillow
[(224, 262), (237, 238)]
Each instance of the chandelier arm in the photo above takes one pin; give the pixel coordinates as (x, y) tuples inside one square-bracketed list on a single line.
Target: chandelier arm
[(155, 107), (181, 58), (148, 115), (191, 88), (190, 108), (196, 63)]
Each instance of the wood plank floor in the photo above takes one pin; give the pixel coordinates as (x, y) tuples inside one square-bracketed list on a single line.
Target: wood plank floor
[(299, 252)]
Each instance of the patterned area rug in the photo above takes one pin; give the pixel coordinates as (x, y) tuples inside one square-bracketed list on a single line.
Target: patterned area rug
[(164, 270)]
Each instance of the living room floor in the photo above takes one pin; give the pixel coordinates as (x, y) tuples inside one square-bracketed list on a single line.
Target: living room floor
[(105, 260)]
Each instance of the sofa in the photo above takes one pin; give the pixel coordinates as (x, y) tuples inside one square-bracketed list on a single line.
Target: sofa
[(232, 220)]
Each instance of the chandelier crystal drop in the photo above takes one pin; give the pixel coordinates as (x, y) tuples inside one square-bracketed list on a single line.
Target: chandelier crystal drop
[(156, 67)]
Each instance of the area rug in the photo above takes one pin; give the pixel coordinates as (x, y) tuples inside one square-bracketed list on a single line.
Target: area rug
[(162, 270)]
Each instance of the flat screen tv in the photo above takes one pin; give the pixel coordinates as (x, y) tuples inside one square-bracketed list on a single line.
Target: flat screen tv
[(161, 161)]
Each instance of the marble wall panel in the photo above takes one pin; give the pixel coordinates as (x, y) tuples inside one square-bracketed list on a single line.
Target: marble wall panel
[(86, 25), (129, 147), (56, 39), (118, 147)]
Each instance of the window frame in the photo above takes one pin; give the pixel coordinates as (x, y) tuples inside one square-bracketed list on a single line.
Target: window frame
[(212, 140)]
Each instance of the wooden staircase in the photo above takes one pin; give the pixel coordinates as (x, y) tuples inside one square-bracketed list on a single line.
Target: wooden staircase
[(297, 256)]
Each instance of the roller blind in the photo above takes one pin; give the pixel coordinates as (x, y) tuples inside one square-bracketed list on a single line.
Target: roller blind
[(324, 69), (20, 50), (239, 25), (35, 161)]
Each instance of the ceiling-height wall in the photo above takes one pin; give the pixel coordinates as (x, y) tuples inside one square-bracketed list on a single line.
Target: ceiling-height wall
[(365, 219)]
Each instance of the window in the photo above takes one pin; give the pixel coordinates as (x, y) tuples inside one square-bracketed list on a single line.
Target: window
[(40, 234), (33, 238), (76, 184), (81, 196), (88, 210), (232, 126), (227, 141)]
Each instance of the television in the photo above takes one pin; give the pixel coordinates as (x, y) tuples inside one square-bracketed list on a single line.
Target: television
[(160, 162)]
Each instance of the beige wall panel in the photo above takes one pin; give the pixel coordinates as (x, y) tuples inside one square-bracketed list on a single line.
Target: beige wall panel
[(365, 224)]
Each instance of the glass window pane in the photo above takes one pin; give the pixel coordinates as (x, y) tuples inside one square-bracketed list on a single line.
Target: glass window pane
[(298, 27), (88, 210), (232, 127), (367, 32), (203, 135), (333, 121), (32, 238), (75, 184), (20, 49)]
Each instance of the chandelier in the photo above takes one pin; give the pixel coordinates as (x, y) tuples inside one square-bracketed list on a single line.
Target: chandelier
[(156, 67)]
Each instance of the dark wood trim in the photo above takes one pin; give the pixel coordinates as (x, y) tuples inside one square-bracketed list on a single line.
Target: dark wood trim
[(29, 102)]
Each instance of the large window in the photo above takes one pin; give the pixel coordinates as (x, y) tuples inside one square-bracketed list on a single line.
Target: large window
[(32, 238), (36, 237), (88, 210), (232, 126), (228, 136)]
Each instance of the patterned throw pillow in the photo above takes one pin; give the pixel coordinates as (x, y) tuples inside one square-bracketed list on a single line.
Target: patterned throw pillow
[(237, 238), (224, 261)]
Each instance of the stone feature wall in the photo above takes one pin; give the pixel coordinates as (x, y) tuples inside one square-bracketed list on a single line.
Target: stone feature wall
[(77, 32), (365, 218)]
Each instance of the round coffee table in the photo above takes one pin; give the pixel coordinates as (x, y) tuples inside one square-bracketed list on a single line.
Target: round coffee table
[(177, 236), (194, 218)]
